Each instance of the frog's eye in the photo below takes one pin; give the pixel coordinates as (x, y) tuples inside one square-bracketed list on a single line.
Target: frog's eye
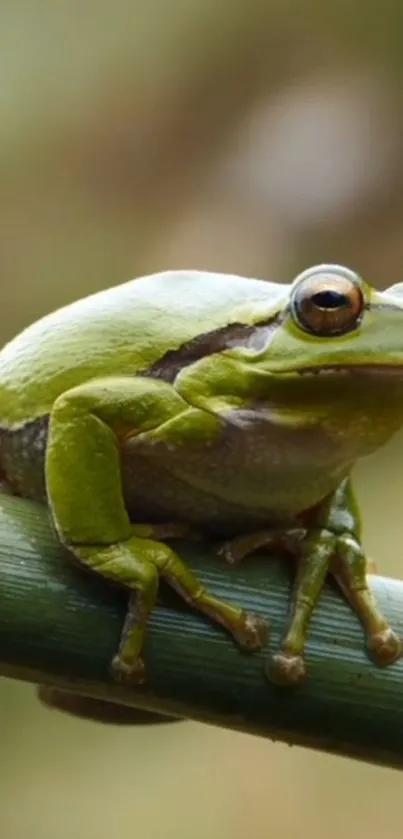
[(327, 301)]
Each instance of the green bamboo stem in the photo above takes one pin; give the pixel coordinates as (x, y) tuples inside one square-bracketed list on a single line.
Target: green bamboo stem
[(60, 626)]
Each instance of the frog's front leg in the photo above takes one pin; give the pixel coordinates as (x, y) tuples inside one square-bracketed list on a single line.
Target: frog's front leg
[(331, 545), (287, 665), (88, 425), (350, 569)]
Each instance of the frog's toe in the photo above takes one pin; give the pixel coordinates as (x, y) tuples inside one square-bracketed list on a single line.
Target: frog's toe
[(229, 553), (385, 647), (253, 632), (132, 672), (286, 669)]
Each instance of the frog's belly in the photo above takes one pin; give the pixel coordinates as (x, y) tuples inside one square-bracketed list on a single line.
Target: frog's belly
[(235, 484)]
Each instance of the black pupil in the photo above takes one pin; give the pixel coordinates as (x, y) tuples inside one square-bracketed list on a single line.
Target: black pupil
[(330, 299)]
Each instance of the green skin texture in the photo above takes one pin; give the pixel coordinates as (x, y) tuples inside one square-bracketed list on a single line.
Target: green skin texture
[(235, 442)]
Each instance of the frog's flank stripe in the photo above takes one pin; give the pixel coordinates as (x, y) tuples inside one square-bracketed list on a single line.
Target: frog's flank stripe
[(226, 337)]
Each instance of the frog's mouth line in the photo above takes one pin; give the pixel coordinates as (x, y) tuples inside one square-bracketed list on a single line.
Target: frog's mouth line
[(367, 370)]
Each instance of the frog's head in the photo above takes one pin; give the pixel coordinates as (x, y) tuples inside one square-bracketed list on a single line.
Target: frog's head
[(333, 350), (330, 320)]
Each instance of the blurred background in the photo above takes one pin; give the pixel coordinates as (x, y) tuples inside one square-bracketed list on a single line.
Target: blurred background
[(248, 137)]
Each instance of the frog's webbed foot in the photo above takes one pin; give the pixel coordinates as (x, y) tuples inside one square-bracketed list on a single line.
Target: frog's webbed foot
[(131, 672), (385, 646), (252, 632), (286, 669)]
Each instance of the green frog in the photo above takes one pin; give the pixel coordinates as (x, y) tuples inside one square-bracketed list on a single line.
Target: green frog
[(189, 403)]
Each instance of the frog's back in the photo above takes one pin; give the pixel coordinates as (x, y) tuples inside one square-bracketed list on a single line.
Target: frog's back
[(120, 331)]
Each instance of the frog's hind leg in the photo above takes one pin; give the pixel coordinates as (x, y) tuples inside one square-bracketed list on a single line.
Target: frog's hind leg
[(240, 547), (249, 630), (84, 485)]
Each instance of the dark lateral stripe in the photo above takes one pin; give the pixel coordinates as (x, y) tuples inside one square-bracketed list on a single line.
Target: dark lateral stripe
[(209, 343)]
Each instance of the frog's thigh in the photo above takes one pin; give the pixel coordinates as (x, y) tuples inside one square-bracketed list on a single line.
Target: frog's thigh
[(85, 494), (83, 474)]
